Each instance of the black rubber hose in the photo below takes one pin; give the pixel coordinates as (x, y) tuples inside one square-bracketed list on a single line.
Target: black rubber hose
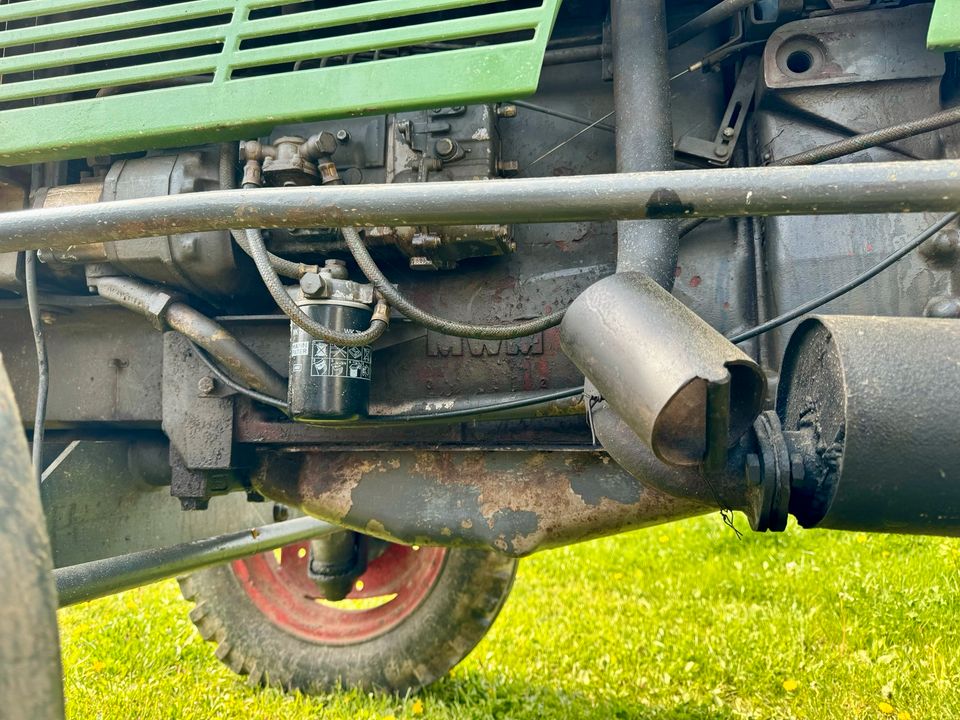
[(481, 412), (850, 284), (43, 366), (715, 15), (278, 292), (447, 327), (232, 384)]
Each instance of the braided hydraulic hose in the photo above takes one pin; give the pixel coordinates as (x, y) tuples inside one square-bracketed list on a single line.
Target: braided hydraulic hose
[(278, 291), (227, 167), (448, 327)]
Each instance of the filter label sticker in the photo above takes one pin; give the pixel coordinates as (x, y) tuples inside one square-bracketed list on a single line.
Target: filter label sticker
[(328, 360), (300, 348)]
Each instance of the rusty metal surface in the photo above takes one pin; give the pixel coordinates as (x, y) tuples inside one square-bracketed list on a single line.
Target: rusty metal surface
[(513, 502), (724, 487), (873, 403)]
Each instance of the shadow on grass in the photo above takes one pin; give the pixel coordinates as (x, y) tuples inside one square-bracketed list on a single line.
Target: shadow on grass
[(476, 694)]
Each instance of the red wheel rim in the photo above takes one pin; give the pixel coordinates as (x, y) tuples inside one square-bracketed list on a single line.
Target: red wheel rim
[(393, 586)]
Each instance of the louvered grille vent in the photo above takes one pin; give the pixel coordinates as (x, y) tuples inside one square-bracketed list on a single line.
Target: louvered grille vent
[(82, 77)]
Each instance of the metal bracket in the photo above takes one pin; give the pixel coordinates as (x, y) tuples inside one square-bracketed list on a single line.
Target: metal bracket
[(768, 474), (720, 151)]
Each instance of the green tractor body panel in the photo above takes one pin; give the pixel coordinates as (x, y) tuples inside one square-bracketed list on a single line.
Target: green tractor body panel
[(109, 80), (944, 33)]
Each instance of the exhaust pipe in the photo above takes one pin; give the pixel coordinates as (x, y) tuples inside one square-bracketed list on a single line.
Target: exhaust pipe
[(679, 385), (666, 378)]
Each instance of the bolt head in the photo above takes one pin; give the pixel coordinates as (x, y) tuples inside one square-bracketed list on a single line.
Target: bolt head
[(343, 136), (507, 110), (445, 147), (206, 385), (324, 143), (312, 284)]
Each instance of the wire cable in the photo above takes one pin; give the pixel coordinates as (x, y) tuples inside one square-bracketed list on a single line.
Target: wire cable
[(278, 292), (867, 140), (476, 412), (564, 115), (235, 386), (447, 327), (43, 366), (849, 285), (405, 419), (854, 144)]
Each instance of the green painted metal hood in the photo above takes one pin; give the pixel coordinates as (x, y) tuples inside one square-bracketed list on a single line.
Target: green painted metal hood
[(91, 77), (944, 33)]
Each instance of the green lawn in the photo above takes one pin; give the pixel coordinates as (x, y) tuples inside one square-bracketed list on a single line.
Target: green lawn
[(680, 621)]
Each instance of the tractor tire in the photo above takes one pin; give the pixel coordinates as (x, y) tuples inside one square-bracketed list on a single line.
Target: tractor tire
[(410, 618), (30, 676)]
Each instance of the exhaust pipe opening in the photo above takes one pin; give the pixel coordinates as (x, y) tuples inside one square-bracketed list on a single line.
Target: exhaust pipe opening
[(685, 390)]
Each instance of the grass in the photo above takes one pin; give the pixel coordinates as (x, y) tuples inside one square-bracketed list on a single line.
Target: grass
[(681, 621)]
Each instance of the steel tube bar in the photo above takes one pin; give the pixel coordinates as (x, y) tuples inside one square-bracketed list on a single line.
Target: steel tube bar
[(644, 130), (154, 304), (910, 186), (88, 581), (715, 15)]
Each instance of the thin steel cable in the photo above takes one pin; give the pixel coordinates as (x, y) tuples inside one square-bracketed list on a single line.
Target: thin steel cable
[(43, 366), (570, 139), (564, 115)]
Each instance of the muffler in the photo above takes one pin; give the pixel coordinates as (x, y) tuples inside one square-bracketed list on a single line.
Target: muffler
[(868, 407), (679, 385)]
